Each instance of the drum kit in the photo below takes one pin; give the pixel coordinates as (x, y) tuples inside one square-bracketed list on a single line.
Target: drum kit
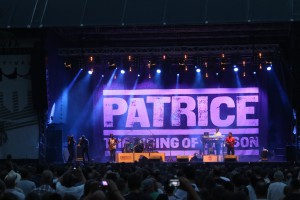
[(137, 145)]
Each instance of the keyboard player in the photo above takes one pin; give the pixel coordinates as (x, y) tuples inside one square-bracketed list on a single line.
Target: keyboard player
[(217, 134)]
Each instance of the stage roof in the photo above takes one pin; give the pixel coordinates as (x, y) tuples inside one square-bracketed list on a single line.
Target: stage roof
[(119, 13)]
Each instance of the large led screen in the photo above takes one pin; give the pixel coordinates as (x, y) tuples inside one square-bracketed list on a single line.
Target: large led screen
[(175, 120)]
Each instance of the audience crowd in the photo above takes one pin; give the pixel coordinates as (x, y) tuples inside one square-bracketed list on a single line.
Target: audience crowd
[(150, 181)]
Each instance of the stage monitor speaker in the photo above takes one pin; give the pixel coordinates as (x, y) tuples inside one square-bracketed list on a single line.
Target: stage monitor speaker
[(182, 158), (54, 146), (230, 158), (155, 159), (79, 153), (291, 152)]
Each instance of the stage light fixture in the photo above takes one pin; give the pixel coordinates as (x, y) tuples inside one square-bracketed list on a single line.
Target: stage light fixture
[(244, 67), (269, 67), (158, 71), (68, 65), (197, 69), (177, 74), (91, 71), (138, 75), (151, 63), (223, 62), (217, 74), (182, 61), (122, 71), (254, 73), (102, 75), (235, 68), (112, 64), (206, 65)]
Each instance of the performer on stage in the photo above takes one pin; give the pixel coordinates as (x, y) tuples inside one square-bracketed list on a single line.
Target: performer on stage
[(217, 134), (84, 144), (112, 145), (71, 148), (230, 142)]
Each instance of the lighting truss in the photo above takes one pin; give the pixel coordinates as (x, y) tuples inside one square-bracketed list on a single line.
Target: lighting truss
[(190, 50)]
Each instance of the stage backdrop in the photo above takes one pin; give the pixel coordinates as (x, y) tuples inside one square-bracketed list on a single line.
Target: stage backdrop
[(177, 118)]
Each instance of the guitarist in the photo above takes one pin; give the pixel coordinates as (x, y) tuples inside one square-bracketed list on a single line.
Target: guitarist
[(230, 142), (112, 146)]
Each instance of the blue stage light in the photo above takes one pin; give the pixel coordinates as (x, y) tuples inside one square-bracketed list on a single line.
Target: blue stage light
[(138, 75), (198, 70), (122, 71), (177, 74), (269, 67), (158, 71), (235, 68), (91, 71)]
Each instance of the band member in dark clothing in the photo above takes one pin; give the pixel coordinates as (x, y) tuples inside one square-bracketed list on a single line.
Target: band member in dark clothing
[(84, 144), (230, 142), (71, 148)]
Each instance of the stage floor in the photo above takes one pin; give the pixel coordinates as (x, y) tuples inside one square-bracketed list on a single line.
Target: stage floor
[(135, 157)]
